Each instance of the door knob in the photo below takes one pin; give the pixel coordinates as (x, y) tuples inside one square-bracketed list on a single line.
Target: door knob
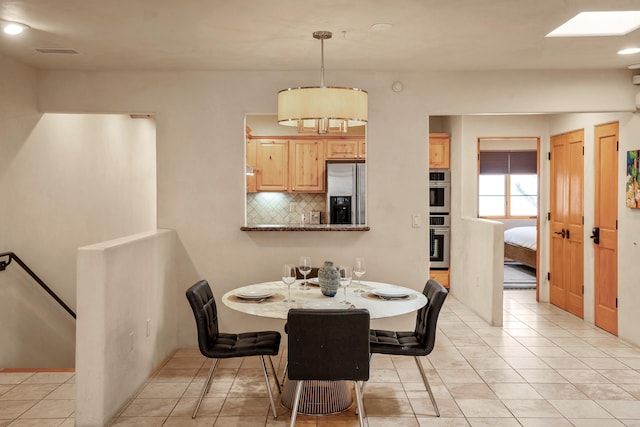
[(595, 235), (562, 233)]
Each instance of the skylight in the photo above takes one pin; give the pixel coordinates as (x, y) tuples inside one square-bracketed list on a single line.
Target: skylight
[(586, 24)]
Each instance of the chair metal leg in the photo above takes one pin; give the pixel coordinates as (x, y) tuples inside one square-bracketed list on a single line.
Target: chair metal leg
[(359, 403), (266, 380), (205, 386), (284, 373), (275, 375), (296, 401), (426, 384)]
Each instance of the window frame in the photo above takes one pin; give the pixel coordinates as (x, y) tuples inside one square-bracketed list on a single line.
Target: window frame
[(507, 189)]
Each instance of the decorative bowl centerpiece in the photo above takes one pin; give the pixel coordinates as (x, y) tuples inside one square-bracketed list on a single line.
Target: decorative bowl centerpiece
[(329, 279)]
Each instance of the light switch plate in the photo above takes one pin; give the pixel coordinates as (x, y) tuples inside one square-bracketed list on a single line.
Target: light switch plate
[(415, 221)]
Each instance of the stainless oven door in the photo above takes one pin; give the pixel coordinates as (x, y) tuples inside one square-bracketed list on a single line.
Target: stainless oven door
[(439, 197), (439, 247)]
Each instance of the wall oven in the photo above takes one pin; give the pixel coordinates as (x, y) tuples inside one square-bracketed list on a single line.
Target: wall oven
[(440, 191), (439, 226)]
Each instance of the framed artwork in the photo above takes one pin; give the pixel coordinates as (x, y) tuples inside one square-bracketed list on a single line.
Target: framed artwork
[(632, 195)]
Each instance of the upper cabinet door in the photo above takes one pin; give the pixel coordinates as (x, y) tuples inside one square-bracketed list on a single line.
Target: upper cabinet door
[(272, 165), (439, 151), (342, 149), (306, 166)]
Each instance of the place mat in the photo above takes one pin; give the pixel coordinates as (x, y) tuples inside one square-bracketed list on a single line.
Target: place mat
[(273, 298), (370, 295)]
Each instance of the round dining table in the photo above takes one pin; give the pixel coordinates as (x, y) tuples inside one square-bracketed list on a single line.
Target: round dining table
[(270, 299)]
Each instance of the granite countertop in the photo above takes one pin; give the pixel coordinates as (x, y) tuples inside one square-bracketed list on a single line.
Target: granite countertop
[(304, 227)]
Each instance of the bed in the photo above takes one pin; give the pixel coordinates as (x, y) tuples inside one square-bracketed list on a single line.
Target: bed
[(520, 245)]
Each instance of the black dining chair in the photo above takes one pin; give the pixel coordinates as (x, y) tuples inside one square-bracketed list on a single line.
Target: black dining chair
[(418, 342), (328, 345), (218, 345)]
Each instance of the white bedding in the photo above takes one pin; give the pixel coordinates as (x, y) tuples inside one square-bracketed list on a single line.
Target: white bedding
[(521, 236)]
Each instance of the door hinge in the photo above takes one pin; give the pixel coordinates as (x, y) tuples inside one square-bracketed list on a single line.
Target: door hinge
[(549, 155), (583, 150), (478, 156), (616, 224), (582, 219), (582, 289), (548, 275), (617, 145), (549, 216), (616, 302)]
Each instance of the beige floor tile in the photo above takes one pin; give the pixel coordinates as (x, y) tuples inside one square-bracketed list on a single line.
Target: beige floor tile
[(154, 390), (564, 363), (500, 375), (150, 407), (596, 422), (210, 407), (471, 391), (559, 391), (545, 422), (185, 362), (388, 407), (14, 377), (526, 362), (621, 408), (621, 376), (10, 409), (493, 422), (488, 363), (139, 421), (483, 408), (604, 392), (459, 376), (580, 409), (515, 391), (68, 422), (176, 375), (394, 421), (382, 390), (64, 391), (632, 362), (604, 363), (5, 388), (29, 392), (583, 376), (51, 409), (528, 408), (245, 406), (632, 423), (189, 422), (49, 377), (41, 422)]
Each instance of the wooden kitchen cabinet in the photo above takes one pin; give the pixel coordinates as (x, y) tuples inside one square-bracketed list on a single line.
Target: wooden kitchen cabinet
[(439, 151), (251, 161), (272, 160), (306, 166), (339, 149), (442, 276)]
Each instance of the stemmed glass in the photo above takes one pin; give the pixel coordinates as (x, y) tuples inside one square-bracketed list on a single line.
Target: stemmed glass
[(359, 269), (345, 280), (288, 277), (304, 266)]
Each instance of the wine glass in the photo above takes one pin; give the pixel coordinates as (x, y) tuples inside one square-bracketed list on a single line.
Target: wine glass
[(304, 266), (359, 269), (288, 277), (345, 280)]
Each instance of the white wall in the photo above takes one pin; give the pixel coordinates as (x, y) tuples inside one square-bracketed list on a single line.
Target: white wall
[(70, 180), (126, 320)]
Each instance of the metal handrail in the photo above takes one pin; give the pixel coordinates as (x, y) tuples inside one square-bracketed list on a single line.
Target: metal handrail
[(11, 256)]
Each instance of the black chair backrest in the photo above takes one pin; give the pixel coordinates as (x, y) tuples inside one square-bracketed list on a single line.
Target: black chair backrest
[(427, 318), (328, 344), (204, 309)]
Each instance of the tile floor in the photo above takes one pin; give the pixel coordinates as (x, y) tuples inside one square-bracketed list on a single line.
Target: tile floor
[(543, 368)]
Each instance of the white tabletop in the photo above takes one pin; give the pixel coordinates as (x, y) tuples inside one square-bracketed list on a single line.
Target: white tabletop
[(276, 307)]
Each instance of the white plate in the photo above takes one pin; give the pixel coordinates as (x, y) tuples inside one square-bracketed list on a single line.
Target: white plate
[(253, 294), (313, 281), (390, 292), (324, 304)]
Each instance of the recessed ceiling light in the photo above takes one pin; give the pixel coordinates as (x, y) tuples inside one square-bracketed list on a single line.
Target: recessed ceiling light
[(608, 23), (629, 51), (381, 27), (13, 28)]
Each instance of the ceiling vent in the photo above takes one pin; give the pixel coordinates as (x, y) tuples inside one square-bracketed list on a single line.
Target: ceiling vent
[(58, 50)]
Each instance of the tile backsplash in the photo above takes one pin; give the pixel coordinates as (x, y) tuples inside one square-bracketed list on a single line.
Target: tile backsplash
[(283, 208)]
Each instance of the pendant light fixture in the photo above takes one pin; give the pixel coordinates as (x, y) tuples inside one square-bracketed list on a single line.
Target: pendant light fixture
[(322, 109)]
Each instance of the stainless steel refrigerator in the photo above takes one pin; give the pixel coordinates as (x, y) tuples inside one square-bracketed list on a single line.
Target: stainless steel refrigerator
[(346, 193)]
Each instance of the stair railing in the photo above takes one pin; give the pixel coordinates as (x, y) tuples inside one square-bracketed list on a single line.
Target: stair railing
[(10, 256)]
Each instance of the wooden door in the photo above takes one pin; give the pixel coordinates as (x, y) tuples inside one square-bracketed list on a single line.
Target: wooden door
[(566, 218), (272, 160), (306, 166), (606, 220)]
